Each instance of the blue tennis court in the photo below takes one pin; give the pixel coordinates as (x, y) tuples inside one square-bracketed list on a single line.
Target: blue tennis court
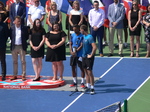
[(119, 78)]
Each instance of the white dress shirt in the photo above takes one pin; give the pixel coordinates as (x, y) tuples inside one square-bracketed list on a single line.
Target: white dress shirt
[(17, 5), (96, 17), (18, 36), (36, 13), (116, 5)]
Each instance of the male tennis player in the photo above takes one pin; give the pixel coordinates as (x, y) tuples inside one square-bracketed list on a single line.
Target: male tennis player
[(76, 55), (89, 49)]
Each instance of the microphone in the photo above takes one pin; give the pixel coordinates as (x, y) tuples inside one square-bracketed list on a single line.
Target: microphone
[(74, 49)]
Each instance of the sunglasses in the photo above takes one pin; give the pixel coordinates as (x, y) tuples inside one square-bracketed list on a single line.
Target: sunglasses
[(134, 4)]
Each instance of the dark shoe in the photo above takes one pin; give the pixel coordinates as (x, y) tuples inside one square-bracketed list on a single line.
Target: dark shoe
[(23, 78), (72, 85), (85, 89), (13, 78), (38, 79), (109, 55), (3, 78), (121, 55), (116, 45), (92, 91)]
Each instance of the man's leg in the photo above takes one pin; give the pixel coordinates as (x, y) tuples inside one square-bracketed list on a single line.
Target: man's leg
[(23, 61), (111, 40), (120, 31), (100, 34)]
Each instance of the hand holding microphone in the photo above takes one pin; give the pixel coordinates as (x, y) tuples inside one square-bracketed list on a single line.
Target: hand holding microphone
[(74, 51)]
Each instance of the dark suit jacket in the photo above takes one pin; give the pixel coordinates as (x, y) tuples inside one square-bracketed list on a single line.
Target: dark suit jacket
[(21, 12), (24, 37)]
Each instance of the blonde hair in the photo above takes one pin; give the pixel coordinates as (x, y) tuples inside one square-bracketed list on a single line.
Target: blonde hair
[(52, 4), (76, 3)]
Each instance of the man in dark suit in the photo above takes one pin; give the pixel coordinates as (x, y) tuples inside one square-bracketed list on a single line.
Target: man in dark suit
[(19, 36), (3, 39), (17, 9)]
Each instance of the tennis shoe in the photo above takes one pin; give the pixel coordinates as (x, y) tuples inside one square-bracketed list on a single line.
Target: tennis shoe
[(92, 91), (82, 85), (85, 89), (72, 85)]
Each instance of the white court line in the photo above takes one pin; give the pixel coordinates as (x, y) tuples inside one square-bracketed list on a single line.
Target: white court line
[(95, 82), (137, 89)]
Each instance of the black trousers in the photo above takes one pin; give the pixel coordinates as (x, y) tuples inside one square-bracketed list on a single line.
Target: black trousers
[(3, 61)]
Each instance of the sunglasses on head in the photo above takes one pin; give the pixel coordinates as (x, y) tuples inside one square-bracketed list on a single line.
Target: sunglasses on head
[(36, 1)]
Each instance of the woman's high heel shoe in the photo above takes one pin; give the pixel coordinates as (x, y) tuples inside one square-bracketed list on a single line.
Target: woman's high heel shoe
[(38, 79), (132, 54)]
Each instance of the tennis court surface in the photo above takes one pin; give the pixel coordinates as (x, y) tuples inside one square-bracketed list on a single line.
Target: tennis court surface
[(117, 79)]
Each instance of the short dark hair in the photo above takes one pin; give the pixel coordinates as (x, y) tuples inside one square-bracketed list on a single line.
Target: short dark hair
[(96, 2), (84, 27), (55, 24), (17, 17)]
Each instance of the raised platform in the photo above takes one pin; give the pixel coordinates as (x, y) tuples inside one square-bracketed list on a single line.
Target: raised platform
[(44, 83)]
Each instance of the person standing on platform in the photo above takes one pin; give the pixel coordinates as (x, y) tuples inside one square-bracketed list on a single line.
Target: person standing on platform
[(35, 12), (89, 49), (56, 52), (4, 32), (96, 20), (54, 16), (146, 22), (37, 40), (134, 18), (17, 9), (19, 36), (116, 13), (76, 55)]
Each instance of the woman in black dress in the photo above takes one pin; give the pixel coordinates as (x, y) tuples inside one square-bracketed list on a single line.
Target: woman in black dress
[(146, 23), (56, 53), (37, 39), (134, 17), (76, 16)]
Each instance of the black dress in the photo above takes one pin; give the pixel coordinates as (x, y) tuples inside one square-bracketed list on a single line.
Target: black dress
[(58, 54), (76, 16), (36, 38), (4, 16), (134, 18)]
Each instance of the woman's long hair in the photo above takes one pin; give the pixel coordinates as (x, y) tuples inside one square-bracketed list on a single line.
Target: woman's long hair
[(35, 28)]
